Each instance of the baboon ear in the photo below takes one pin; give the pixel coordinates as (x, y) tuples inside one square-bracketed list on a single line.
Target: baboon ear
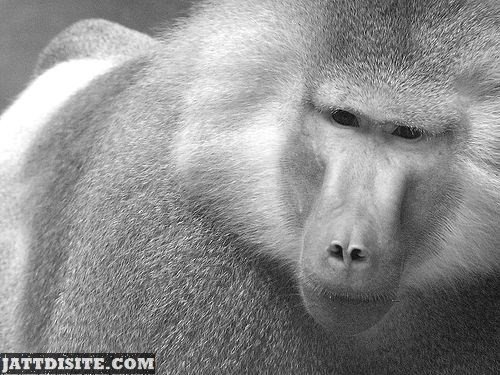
[(93, 38)]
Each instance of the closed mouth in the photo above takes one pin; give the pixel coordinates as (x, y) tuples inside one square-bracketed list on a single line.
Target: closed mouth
[(345, 296)]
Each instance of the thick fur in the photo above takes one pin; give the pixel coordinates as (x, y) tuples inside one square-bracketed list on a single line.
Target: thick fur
[(98, 39), (154, 209)]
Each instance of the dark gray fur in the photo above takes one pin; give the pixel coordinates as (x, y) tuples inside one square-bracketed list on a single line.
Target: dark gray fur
[(125, 262)]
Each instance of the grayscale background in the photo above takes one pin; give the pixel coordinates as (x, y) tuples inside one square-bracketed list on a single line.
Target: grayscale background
[(26, 26)]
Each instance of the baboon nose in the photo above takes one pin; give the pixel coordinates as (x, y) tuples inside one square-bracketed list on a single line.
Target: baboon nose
[(346, 253)]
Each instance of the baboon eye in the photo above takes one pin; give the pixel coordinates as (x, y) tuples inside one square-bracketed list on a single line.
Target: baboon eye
[(407, 132), (344, 118)]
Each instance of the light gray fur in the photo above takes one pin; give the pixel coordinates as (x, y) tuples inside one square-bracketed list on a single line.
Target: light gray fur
[(93, 38), (135, 249)]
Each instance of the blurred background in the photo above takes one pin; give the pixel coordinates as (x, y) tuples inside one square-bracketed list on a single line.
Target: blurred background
[(26, 26)]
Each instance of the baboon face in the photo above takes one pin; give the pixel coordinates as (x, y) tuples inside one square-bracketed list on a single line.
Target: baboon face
[(382, 189), (350, 153)]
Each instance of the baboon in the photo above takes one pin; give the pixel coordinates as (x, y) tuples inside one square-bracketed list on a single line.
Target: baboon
[(274, 187)]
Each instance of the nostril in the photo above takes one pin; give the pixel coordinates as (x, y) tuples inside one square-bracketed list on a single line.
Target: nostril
[(346, 254), (357, 254), (335, 250)]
